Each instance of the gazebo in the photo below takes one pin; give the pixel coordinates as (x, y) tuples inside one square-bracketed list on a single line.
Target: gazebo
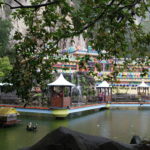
[(104, 91), (60, 92), (143, 89)]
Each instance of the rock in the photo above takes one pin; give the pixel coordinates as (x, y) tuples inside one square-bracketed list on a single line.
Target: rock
[(66, 139), (136, 140)]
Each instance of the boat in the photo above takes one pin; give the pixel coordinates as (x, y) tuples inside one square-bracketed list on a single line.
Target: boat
[(8, 116), (31, 127)]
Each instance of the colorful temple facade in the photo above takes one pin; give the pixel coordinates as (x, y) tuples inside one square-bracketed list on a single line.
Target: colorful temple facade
[(127, 78)]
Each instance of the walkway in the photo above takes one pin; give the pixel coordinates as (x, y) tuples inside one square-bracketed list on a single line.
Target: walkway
[(66, 112)]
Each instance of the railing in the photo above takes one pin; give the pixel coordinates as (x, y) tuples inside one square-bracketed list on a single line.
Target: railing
[(125, 98)]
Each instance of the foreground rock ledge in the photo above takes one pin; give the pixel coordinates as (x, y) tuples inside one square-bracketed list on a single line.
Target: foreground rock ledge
[(66, 139)]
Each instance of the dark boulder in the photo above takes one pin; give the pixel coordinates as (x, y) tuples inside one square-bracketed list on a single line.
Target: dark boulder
[(66, 139), (136, 140)]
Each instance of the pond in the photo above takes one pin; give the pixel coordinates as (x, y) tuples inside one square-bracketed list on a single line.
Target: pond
[(119, 125)]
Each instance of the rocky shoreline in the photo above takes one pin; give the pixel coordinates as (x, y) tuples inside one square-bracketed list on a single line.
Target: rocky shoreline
[(66, 139)]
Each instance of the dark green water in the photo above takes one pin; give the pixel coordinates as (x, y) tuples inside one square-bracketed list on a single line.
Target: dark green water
[(119, 125)]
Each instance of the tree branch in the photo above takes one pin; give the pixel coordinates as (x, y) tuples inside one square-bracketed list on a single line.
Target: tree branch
[(103, 13), (5, 4), (18, 2), (30, 6), (96, 19)]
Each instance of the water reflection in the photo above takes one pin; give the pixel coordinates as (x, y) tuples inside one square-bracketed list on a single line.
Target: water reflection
[(119, 125)]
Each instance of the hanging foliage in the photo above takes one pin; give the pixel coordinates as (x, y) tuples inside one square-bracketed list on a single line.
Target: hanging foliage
[(109, 25)]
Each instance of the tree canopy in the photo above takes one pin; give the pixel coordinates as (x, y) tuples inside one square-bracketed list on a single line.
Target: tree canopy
[(109, 25), (5, 67)]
